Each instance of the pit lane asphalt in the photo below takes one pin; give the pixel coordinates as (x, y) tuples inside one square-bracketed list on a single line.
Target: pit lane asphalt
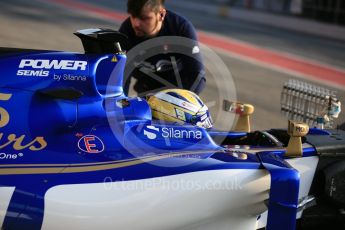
[(42, 25)]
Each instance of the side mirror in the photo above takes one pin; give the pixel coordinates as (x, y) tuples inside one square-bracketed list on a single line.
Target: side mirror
[(243, 110)]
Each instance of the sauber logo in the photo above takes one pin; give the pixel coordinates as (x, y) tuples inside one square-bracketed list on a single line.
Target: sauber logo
[(53, 64), (152, 131)]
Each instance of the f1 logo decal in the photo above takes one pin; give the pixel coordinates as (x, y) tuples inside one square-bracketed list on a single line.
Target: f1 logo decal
[(91, 144)]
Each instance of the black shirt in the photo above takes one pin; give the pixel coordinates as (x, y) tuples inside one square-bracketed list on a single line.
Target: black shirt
[(184, 50)]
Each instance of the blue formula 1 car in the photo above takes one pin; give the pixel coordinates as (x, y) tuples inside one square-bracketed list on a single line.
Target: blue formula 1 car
[(76, 153)]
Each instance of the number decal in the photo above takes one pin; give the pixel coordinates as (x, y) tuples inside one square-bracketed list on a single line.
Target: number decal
[(18, 142), (4, 116)]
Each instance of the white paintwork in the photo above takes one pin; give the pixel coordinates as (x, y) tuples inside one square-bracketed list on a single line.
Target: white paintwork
[(218, 199), (5, 198), (306, 166)]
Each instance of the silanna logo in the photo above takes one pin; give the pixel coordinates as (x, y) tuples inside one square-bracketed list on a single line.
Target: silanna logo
[(172, 133), (91, 144), (42, 66), (150, 134)]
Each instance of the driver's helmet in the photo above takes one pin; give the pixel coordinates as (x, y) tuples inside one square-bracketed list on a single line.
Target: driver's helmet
[(179, 105)]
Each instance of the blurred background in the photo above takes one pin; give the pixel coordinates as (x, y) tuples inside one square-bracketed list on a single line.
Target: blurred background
[(330, 11), (263, 43)]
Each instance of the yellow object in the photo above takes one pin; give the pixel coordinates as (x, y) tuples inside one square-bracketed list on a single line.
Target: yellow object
[(114, 59), (243, 123), (296, 131), (4, 116), (243, 110)]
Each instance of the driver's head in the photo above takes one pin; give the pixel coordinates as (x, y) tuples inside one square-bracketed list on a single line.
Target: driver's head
[(146, 16), (179, 105)]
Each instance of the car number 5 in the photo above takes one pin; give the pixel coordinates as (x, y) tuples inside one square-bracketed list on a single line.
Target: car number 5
[(4, 116)]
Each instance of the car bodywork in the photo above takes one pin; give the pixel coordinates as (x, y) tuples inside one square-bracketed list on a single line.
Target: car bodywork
[(76, 153)]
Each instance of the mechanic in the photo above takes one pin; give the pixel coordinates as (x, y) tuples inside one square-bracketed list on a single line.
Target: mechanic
[(149, 19)]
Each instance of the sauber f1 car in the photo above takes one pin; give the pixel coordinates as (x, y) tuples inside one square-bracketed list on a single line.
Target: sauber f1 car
[(77, 153)]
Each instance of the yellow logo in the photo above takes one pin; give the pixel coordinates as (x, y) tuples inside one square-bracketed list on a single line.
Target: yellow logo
[(4, 116), (35, 145)]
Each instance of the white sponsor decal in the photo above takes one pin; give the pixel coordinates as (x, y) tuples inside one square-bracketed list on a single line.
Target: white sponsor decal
[(8, 156), (173, 133), (53, 64), (43, 66), (181, 133), (69, 77), (33, 73)]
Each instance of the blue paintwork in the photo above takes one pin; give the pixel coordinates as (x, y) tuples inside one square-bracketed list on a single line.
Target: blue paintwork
[(316, 131), (283, 201), (115, 132), (226, 134)]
